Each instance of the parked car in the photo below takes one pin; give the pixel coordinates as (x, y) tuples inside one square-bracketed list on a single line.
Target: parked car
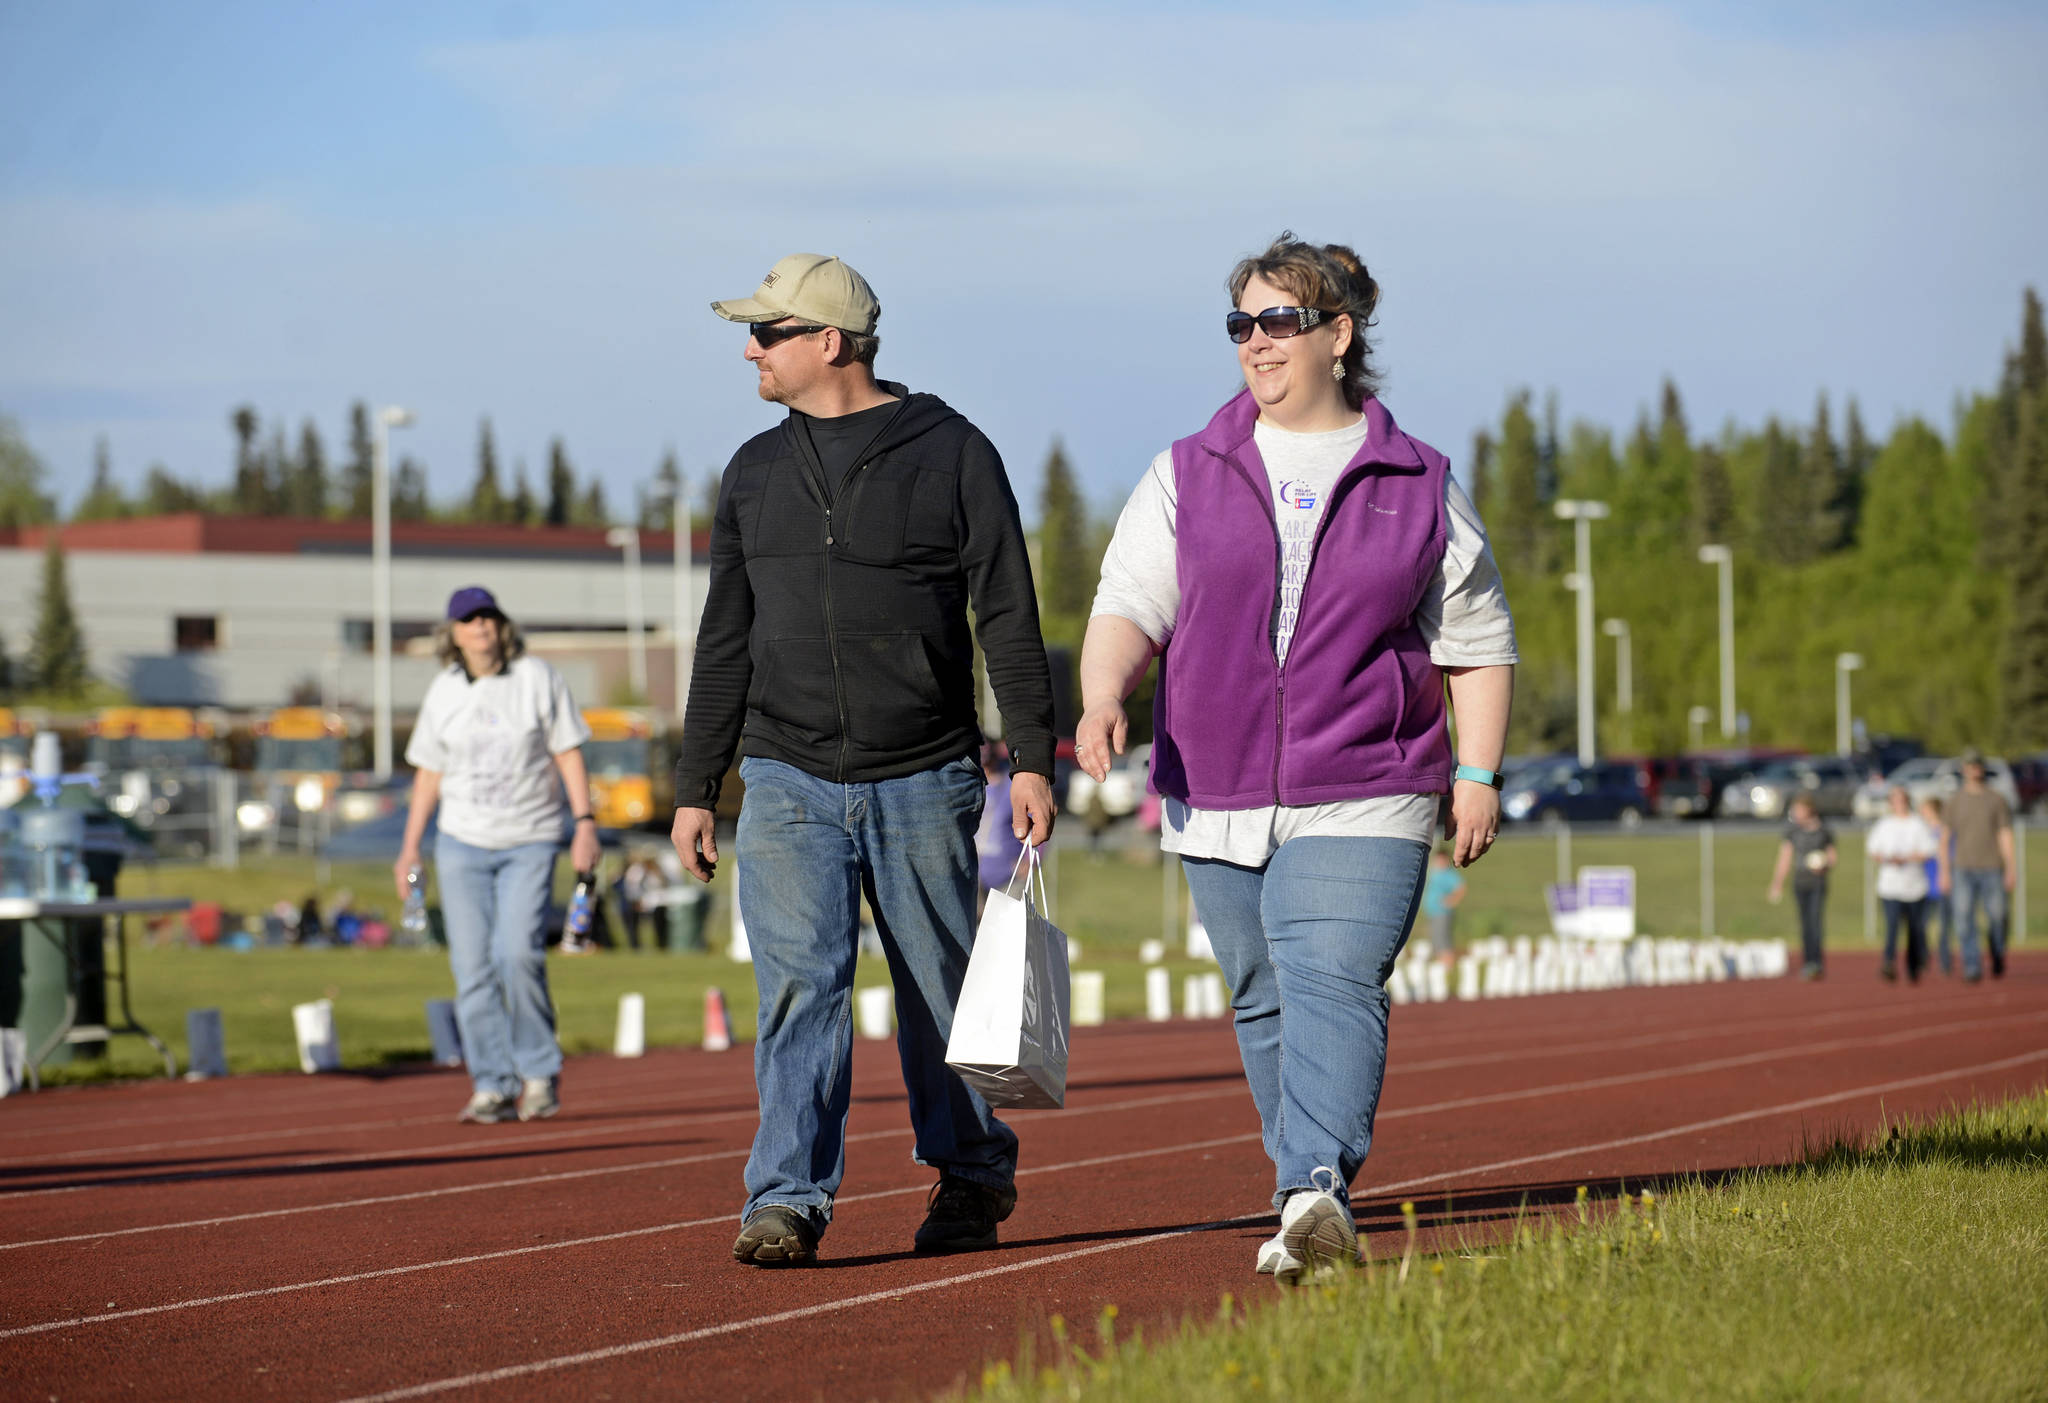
[(1830, 781), (2030, 781), (1564, 791), (1933, 777)]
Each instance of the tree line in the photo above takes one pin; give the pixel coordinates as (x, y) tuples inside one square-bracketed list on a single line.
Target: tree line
[(1927, 555), (277, 473)]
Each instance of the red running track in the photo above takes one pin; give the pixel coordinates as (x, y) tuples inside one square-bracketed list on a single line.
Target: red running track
[(344, 1238)]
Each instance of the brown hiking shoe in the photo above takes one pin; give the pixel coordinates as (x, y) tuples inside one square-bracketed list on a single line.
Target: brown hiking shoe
[(775, 1235)]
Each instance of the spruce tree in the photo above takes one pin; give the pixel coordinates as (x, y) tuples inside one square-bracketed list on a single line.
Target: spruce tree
[(486, 501), (1066, 572), (409, 491), (1713, 497), (1521, 532), (279, 468), (248, 492), (103, 500), (1820, 469), (1785, 525), (2026, 642), (56, 651), (1479, 476), (358, 473), (163, 494), (22, 502), (591, 508), (561, 485), (307, 493), (523, 506), (658, 499)]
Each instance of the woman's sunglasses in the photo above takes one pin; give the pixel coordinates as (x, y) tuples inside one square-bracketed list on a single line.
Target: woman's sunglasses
[(768, 335), (1277, 322)]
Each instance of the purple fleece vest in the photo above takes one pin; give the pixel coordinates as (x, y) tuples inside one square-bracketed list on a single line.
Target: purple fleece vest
[(1359, 709)]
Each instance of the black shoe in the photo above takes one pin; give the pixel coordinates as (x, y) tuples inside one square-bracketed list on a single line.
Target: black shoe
[(961, 1215), (1888, 973), (776, 1236), (1998, 966)]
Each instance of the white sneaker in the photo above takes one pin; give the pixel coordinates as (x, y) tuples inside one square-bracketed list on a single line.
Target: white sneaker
[(1316, 1228), (537, 1098), (1277, 1262), (487, 1108)]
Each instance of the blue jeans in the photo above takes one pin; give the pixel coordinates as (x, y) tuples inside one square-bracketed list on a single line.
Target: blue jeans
[(1941, 916), (1980, 888), (1306, 943), (808, 850), (495, 904)]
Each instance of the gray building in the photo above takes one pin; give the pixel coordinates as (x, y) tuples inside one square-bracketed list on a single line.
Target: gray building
[(248, 612)]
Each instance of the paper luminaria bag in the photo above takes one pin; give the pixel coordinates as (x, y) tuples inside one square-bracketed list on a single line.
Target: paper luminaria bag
[(1009, 1038)]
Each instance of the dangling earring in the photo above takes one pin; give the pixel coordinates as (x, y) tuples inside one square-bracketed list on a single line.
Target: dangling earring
[(1337, 370)]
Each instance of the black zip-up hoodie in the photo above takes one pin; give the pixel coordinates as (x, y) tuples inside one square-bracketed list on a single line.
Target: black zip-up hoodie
[(835, 634)]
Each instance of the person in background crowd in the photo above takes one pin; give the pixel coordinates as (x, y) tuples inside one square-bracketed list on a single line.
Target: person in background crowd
[(1940, 911), (1807, 855), (1310, 578), (1902, 845), (1984, 870), (996, 845), (849, 544), (632, 885), (1441, 895), (498, 748)]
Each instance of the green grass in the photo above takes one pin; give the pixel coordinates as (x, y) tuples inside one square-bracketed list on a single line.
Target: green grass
[(1110, 902), (1911, 1267)]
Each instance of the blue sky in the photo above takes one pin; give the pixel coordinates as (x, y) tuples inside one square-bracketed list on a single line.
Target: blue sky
[(521, 210)]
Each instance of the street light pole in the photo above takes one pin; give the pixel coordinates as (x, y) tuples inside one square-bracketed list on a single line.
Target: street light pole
[(1845, 663), (628, 539), (1624, 676), (388, 418), (1725, 558), (1582, 515), (685, 632)]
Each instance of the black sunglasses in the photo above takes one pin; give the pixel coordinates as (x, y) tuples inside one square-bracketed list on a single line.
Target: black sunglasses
[(768, 335), (1277, 322), (473, 615)]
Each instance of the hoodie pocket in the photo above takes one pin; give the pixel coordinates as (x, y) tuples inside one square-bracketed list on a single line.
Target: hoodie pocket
[(792, 689), (893, 701), (878, 505)]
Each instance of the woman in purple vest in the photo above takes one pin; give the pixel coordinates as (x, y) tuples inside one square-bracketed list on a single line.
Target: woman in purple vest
[(1308, 576)]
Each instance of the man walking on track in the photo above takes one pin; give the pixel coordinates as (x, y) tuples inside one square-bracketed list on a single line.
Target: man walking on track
[(849, 543), (1985, 869)]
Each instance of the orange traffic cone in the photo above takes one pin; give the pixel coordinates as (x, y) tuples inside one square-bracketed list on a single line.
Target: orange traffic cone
[(717, 1027)]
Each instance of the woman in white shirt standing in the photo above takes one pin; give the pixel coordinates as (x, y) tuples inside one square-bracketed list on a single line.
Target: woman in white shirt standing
[(1310, 577), (498, 746), (1901, 843)]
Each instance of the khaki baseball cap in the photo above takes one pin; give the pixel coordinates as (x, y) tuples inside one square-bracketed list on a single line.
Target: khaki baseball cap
[(811, 287)]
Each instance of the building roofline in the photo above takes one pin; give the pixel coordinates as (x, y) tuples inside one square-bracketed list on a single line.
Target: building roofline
[(205, 533)]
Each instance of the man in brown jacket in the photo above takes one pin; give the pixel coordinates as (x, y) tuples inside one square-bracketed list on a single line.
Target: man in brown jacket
[(1985, 869)]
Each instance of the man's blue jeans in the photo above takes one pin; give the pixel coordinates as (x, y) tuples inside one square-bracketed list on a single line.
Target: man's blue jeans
[(1975, 888), (495, 904), (808, 850), (1306, 943)]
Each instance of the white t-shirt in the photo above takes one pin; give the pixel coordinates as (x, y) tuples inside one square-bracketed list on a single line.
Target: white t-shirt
[(1909, 836), (1463, 619), (494, 741)]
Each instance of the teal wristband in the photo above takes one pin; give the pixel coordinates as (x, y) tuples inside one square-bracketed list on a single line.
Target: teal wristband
[(1479, 776)]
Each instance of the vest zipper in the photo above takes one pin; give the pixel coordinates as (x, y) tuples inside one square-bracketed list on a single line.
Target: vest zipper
[(832, 648)]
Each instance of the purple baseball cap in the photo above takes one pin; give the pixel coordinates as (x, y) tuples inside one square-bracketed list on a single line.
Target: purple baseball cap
[(472, 599)]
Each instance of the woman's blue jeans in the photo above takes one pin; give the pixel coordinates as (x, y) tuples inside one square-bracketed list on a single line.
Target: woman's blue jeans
[(495, 904), (1306, 943), (809, 849)]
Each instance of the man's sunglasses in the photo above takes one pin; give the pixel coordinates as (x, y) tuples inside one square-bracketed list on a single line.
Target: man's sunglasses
[(768, 334), (1277, 322)]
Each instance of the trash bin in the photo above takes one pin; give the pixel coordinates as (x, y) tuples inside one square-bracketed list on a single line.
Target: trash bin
[(687, 909)]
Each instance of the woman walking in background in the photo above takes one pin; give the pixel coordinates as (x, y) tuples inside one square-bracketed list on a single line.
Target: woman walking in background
[(1902, 845), (1938, 913), (498, 747), (1309, 575), (1807, 855)]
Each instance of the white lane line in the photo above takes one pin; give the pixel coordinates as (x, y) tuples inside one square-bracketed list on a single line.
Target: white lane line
[(473, 1258), (595, 1356), (2039, 1054), (1136, 1103), (733, 1327), (1724, 1029)]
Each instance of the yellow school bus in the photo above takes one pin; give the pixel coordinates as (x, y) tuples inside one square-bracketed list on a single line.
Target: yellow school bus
[(150, 738), (620, 758), (299, 748)]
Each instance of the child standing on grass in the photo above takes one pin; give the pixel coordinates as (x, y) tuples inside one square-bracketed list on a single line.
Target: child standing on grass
[(1441, 894), (1807, 855)]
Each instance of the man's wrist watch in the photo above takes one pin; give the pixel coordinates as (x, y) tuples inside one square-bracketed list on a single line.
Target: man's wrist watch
[(1480, 776)]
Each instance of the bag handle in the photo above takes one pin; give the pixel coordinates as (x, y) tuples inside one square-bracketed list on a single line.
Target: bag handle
[(1030, 850)]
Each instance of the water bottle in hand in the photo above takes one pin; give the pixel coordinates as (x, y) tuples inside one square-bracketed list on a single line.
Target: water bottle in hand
[(576, 928), (413, 921)]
